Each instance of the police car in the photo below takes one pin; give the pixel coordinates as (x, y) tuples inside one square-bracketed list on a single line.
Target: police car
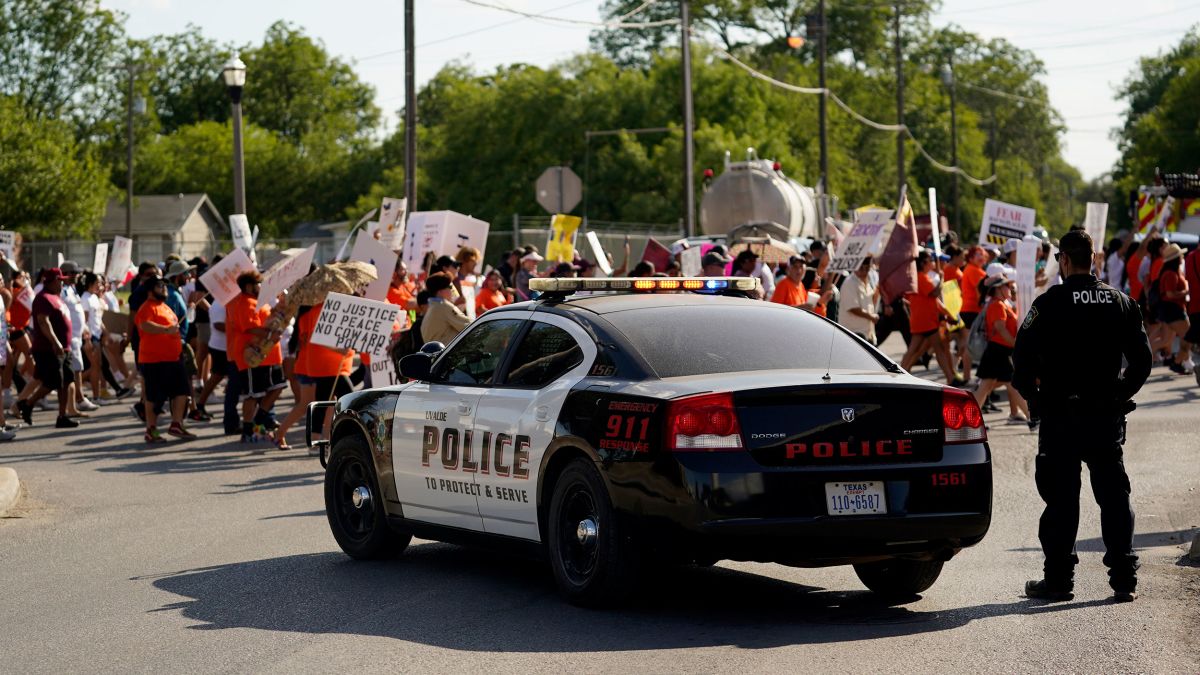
[(615, 423)]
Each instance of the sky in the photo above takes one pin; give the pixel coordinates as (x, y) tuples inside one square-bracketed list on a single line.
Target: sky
[(1088, 46)]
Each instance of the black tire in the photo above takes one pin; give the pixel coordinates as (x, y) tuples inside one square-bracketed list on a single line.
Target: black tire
[(899, 577), (596, 570), (361, 531)]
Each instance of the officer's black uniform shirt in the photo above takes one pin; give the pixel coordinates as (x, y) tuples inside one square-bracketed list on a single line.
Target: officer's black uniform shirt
[(1070, 345)]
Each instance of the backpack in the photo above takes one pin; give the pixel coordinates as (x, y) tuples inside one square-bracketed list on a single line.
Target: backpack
[(977, 339)]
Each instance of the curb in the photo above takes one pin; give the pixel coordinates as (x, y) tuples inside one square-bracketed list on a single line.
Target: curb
[(10, 489)]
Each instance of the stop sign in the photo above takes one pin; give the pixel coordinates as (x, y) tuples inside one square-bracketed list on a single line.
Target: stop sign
[(559, 189)]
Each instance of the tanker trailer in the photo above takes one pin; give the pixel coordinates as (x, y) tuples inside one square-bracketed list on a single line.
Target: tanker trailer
[(756, 191)]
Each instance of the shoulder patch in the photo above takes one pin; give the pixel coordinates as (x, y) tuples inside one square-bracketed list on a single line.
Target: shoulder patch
[(1029, 318)]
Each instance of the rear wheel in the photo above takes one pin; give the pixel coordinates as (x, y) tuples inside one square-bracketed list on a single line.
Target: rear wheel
[(593, 562), (899, 577), (354, 504)]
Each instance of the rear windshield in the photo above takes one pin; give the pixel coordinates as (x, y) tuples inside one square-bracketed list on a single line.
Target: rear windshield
[(697, 340)]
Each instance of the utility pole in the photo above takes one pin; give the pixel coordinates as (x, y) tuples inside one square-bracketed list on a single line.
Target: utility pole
[(992, 152), (948, 78), (410, 111), (900, 171), (821, 46), (129, 156), (689, 185)]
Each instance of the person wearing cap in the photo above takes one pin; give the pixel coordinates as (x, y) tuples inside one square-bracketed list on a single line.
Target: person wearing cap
[(1172, 291), (529, 270), (1068, 366), (51, 344), (166, 381), (747, 264), (714, 263), (995, 366), (790, 290), (443, 321)]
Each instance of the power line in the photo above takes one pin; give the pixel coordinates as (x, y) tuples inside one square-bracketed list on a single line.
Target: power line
[(1001, 94), (576, 22)]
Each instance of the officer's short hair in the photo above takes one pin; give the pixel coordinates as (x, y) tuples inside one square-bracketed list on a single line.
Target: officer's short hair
[(1077, 246)]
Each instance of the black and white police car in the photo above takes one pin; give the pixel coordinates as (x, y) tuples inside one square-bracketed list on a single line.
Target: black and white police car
[(657, 424)]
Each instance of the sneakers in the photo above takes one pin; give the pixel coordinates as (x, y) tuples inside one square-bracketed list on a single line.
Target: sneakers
[(26, 411), (199, 415), (179, 431), (6, 435), (1033, 423), (139, 411), (1040, 590), (1177, 369), (86, 405), (123, 392), (46, 406), (152, 436), (1124, 596), (1018, 419), (65, 423)]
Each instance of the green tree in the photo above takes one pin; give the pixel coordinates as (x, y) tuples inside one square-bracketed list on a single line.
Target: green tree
[(53, 185)]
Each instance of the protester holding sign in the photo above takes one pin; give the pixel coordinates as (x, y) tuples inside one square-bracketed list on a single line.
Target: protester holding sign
[(1172, 292), (925, 312), (996, 366), (244, 322), (324, 373)]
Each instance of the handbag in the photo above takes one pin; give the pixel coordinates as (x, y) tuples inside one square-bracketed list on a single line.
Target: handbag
[(188, 358)]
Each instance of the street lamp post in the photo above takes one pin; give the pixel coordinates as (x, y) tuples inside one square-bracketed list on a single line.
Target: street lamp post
[(948, 80), (235, 79)]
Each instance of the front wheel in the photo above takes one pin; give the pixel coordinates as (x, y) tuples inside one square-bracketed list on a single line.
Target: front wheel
[(354, 504), (899, 577), (593, 562)]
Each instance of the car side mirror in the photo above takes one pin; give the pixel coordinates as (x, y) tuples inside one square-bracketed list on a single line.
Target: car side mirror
[(417, 366), (433, 348)]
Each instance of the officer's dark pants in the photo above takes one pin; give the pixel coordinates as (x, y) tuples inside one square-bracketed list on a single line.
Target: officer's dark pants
[(897, 322), (1064, 443)]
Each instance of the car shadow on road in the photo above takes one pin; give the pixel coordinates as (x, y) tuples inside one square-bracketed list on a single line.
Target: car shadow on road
[(473, 600)]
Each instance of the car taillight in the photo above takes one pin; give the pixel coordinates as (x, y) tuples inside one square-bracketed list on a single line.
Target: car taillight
[(961, 417), (703, 423)]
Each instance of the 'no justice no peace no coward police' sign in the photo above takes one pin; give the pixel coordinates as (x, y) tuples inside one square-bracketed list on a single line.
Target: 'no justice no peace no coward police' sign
[(347, 322)]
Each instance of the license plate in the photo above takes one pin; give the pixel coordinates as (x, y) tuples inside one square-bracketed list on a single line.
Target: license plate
[(855, 498)]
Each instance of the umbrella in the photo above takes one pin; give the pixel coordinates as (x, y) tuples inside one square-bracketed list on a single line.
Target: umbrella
[(343, 277), (769, 250)]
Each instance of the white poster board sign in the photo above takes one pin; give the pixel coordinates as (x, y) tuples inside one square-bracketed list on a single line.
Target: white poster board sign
[(283, 274), (468, 293), (120, 259), (391, 222), (1027, 251), (935, 224), (100, 259), (383, 373), (689, 262), (1095, 223), (1002, 222), (598, 253), (25, 297), (383, 258), (347, 322), (243, 238), (864, 239), (8, 242), (442, 233), (221, 279)]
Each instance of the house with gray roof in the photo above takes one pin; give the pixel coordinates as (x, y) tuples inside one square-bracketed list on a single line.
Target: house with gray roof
[(187, 224)]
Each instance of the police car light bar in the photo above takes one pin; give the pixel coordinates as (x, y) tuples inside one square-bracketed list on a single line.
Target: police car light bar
[(644, 284)]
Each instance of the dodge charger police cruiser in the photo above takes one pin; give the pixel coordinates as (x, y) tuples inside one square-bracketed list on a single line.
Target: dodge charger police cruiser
[(615, 423)]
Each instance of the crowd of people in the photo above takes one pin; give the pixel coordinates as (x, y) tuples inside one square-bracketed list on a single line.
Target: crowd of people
[(184, 344)]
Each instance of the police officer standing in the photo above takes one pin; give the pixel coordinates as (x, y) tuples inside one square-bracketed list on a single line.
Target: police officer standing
[(1068, 365)]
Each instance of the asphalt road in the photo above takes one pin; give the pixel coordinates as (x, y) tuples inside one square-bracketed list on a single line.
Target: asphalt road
[(213, 557)]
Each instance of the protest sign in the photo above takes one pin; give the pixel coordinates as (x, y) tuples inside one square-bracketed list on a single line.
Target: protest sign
[(442, 233), (341, 254), (221, 279), (8, 243), (468, 293), (61, 259), (374, 252), (391, 222), (656, 254), (383, 373), (120, 258), (689, 262), (935, 224), (1002, 222), (283, 274), (243, 238), (25, 297), (347, 322), (100, 258), (561, 246), (1095, 223), (864, 239), (1027, 250), (598, 253)]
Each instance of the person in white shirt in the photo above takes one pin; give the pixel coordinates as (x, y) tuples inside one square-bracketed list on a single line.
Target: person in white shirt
[(78, 405), (1114, 265), (219, 367), (93, 318), (856, 311)]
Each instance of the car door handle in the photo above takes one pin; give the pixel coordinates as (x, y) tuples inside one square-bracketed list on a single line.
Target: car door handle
[(542, 413), (464, 408)]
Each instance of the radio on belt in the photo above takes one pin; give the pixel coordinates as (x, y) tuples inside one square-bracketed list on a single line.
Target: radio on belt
[(645, 284)]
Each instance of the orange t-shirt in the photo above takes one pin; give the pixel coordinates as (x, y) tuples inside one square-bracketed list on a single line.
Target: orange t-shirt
[(489, 300), (789, 293), (242, 314), (18, 314), (400, 295), (952, 273), (999, 310), (1131, 272), (971, 276), (1155, 270), (1171, 281), (922, 308), (318, 360), (157, 347)]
